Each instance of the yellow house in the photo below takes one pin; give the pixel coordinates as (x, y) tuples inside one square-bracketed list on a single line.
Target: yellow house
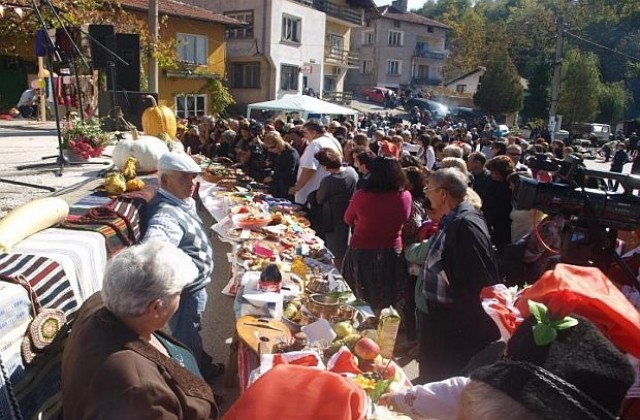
[(200, 43)]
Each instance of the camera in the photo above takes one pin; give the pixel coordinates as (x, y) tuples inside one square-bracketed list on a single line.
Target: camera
[(574, 199)]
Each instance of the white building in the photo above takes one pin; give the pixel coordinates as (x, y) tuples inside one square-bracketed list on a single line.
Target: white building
[(289, 46)]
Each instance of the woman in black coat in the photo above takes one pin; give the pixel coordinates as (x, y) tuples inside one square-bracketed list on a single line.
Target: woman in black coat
[(284, 164)]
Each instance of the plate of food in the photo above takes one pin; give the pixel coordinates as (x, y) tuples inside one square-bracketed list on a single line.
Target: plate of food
[(250, 220), (240, 234)]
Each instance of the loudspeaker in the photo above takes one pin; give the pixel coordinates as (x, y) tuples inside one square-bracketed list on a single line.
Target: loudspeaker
[(106, 35), (132, 105), (127, 77)]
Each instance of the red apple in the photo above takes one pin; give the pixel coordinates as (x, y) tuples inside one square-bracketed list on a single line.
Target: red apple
[(366, 349), (386, 369), (367, 365)]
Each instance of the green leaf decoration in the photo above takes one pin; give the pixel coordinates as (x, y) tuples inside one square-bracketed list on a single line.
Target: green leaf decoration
[(538, 310), (565, 323), (544, 334)]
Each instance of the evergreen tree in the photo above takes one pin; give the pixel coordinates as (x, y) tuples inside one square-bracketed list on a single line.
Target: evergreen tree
[(537, 99), (580, 94), (500, 91)]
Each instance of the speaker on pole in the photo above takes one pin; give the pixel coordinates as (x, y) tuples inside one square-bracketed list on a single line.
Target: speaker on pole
[(128, 47), (106, 35), (132, 105)]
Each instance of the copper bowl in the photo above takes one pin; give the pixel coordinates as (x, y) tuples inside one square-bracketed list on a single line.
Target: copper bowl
[(323, 306)]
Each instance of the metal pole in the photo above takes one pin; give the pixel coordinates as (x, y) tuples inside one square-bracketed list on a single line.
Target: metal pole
[(153, 29), (557, 77)]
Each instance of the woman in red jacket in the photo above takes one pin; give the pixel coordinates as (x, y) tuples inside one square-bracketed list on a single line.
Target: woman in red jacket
[(373, 264)]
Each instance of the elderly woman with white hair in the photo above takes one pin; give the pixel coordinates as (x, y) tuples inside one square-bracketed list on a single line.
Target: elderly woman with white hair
[(117, 363)]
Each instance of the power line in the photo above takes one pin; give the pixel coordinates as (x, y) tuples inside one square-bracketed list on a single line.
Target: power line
[(604, 47)]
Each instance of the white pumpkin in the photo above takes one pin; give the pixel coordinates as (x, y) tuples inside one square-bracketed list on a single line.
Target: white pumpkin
[(146, 149)]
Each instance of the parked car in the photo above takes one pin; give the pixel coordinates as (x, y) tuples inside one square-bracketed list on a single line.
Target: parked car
[(464, 113), (437, 110), (375, 94)]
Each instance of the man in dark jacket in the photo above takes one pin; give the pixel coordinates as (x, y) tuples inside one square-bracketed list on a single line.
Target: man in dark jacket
[(481, 176), (459, 263)]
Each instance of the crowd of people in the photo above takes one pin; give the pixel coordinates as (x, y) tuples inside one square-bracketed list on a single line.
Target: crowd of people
[(420, 217)]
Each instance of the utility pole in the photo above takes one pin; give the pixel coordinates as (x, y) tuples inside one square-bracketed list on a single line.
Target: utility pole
[(153, 29), (557, 76)]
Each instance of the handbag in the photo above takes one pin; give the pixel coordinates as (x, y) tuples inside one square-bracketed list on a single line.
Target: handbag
[(46, 325)]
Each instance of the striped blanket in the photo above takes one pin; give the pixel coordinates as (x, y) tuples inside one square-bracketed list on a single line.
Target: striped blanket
[(35, 387), (118, 219), (82, 255)]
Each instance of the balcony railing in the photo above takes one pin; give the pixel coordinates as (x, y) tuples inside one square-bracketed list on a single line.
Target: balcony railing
[(426, 81), (424, 52), (340, 98), (342, 57), (336, 10)]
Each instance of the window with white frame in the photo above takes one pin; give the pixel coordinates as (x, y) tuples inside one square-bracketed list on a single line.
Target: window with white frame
[(243, 16), (367, 67), (368, 37), (291, 28), (193, 49), (191, 105), (394, 67), (289, 77), (395, 38), (461, 88), (245, 75)]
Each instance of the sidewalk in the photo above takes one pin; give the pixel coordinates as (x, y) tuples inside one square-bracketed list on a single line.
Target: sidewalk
[(26, 142)]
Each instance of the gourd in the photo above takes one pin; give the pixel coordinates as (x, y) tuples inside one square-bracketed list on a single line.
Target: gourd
[(135, 184), (146, 149), (159, 119), (30, 218), (114, 183), (129, 170)]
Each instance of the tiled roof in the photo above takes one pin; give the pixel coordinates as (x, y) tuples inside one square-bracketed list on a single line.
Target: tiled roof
[(176, 8), (462, 75), (392, 13)]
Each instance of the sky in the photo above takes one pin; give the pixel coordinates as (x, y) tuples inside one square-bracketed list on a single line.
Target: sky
[(413, 4)]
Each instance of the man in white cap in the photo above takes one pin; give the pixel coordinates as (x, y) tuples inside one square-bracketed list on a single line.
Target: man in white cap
[(171, 216)]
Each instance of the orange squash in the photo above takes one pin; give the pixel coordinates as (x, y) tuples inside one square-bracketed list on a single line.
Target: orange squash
[(158, 120)]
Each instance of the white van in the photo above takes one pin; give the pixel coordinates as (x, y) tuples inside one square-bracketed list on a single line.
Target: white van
[(600, 132)]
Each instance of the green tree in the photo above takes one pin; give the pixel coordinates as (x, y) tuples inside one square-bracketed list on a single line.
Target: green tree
[(500, 91), (467, 44), (580, 91), (614, 99), (219, 97), (537, 99)]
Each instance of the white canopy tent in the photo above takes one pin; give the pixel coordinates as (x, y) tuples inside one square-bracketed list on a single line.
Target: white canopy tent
[(304, 105)]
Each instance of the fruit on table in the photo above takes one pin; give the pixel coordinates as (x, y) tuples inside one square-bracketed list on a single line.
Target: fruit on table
[(135, 184), (351, 340), (129, 170), (159, 119), (146, 149), (367, 365), (386, 369), (114, 183), (366, 349), (343, 329)]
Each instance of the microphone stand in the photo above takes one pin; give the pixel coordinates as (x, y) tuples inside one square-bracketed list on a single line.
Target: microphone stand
[(61, 160)]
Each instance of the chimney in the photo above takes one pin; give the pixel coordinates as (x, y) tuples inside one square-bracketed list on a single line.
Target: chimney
[(401, 5)]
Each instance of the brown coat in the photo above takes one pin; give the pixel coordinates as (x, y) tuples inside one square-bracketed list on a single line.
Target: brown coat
[(109, 373)]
